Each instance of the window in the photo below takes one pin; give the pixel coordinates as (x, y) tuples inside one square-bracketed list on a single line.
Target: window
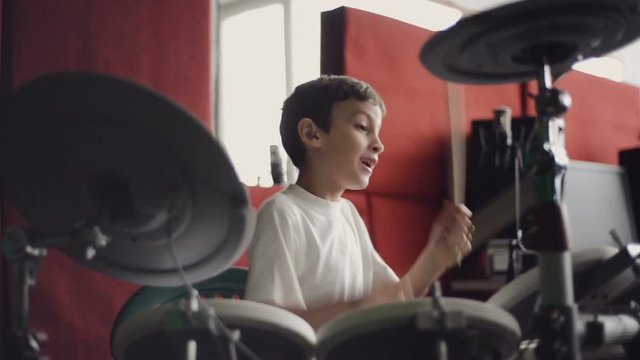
[(266, 48), (253, 84)]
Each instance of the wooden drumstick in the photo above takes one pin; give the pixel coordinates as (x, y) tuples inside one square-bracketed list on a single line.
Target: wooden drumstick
[(457, 147), (458, 142)]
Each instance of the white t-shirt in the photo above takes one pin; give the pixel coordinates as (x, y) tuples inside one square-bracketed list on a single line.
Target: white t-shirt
[(308, 252)]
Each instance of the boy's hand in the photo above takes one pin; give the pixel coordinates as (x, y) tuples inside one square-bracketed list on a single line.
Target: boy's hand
[(450, 238)]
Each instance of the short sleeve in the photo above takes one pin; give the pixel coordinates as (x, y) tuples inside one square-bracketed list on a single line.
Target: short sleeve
[(272, 273)]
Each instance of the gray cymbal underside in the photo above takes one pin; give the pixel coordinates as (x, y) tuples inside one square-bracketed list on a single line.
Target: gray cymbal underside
[(89, 157)]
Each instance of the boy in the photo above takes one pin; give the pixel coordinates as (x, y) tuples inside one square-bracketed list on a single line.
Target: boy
[(311, 253)]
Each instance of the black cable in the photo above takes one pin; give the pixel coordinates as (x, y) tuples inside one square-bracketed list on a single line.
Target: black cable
[(214, 323), (5, 304), (6, 54), (6, 83)]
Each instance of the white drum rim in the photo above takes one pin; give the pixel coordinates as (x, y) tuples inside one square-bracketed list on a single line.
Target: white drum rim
[(378, 317), (241, 312), (528, 283)]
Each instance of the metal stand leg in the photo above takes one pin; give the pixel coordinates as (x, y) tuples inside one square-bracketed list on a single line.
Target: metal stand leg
[(557, 318), (25, 260)]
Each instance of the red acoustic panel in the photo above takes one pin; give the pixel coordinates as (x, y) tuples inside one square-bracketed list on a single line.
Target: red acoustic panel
[(604, 117), (384, 52), (243, 261), (165, 45), (76, 307), (361, 201), (258, 195), (412, 174), (401, 228)]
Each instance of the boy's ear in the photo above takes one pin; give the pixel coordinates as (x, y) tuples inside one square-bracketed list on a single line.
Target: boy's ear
[(309, 132)]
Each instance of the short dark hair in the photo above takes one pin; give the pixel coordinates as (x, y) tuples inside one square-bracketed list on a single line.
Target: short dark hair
[(315, 99)]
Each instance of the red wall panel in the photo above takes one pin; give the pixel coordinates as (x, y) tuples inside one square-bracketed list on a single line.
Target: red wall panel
[(410, 181), (603, 119), (362, 203), (402, 229), (165, 45), (384, 52)]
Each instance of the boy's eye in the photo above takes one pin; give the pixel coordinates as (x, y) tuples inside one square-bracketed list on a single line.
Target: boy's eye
[(362, 127)]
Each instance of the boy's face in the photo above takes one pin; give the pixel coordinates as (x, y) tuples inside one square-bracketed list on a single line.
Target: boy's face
[(350, 150)]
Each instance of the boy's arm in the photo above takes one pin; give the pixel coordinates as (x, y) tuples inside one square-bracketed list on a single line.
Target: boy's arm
[(449, 241), (449, 238)]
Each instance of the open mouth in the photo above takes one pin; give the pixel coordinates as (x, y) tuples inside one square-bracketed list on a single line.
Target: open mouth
[(369, 163)]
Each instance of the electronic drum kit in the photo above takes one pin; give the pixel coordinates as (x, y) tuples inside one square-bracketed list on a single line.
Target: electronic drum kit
[(127, 183)]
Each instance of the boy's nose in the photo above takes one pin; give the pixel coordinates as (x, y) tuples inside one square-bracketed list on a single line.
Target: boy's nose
[(377, 146)]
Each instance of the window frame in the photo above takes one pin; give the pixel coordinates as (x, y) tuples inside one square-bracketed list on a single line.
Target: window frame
[(229, 9)]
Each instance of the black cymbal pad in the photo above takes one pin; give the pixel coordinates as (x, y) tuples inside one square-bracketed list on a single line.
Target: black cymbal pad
[(511, 43)]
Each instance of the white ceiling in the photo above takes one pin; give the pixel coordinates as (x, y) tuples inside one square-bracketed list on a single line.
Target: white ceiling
[(629, 55)]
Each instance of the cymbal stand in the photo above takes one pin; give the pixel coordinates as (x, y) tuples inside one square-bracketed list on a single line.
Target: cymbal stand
[(441, 345), (222, 342), (195, 311), (445, 323), (25, 259), (557, 319)]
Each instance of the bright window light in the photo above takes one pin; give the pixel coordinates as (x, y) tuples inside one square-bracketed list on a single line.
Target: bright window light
[(605, 67), (252, 89), (426, 14), (253, 74)]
